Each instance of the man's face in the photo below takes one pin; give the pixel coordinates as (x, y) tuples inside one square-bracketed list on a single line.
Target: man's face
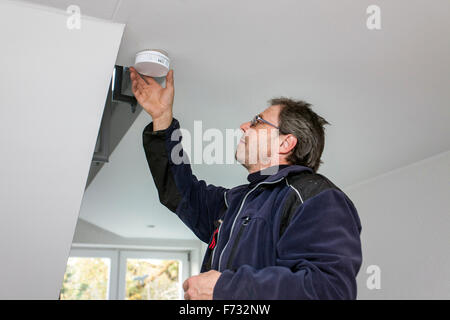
[(259, 143)]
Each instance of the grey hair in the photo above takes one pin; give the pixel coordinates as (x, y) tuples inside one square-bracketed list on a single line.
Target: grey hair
[(297, 118)]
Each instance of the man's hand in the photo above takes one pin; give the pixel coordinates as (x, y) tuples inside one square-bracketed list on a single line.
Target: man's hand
[(155, 99), (201, 287)]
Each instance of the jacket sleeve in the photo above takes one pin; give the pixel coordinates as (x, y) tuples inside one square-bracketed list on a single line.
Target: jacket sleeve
[(318, 256), (196, 203)]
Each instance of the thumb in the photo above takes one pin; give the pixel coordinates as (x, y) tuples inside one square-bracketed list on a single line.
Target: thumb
[(169, 79)]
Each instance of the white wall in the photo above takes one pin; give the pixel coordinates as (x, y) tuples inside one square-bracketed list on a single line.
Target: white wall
[(53, 86), (405, 216)]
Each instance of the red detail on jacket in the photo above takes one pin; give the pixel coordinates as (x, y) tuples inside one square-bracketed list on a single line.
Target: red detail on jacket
[(213, 241)]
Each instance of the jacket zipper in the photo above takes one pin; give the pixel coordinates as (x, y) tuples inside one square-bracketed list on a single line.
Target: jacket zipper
[(237, 215), (218, 232), (236, 242)]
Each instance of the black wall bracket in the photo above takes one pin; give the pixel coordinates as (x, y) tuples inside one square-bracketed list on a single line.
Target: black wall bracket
[(117, 92), (101, 152), (102, 147)]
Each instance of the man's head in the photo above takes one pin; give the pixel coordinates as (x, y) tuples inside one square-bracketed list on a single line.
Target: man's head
[(287, 132)]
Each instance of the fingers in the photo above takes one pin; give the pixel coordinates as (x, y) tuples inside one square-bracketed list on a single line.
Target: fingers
[(133, 77), (137, 93), (186, 285), (137, 80), (187, 296), (141, 84), (134, 84), (133, 74), (149, 80)]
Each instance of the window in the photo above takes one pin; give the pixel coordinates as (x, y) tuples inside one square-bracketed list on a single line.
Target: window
[(93, 274), (86, 279), (152, 275), (90, 275)]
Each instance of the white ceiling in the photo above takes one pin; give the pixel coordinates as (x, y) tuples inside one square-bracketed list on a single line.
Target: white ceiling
[(386, 93)]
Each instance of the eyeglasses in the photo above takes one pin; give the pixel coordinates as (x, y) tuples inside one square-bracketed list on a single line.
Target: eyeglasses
[(258, 118)]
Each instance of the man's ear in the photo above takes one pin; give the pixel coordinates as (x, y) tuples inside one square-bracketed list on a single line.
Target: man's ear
[(288, 144)]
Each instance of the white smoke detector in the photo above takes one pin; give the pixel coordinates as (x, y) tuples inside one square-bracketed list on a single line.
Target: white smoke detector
[(152, 62)]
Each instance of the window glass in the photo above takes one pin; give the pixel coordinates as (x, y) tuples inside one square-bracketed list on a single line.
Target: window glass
[(86, 279), (152, 279)]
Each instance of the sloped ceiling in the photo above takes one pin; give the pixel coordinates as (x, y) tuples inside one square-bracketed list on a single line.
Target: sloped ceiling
[(385, 92)]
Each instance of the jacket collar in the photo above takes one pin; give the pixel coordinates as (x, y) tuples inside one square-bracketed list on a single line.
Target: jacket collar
[(274, 174)]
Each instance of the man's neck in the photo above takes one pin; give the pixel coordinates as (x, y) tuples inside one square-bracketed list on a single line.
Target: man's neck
[(259, 167)]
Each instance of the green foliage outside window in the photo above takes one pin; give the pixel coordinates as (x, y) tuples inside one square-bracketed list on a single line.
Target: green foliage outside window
[(152, 279), (85, 279)]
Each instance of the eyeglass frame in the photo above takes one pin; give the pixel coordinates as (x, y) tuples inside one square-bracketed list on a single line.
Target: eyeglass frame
[(257, 118)]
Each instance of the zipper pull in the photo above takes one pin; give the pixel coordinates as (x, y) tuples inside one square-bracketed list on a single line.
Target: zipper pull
[(245, 221), (213, 241), (217, 223)]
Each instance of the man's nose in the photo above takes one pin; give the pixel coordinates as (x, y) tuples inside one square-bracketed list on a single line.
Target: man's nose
[(245, 126)]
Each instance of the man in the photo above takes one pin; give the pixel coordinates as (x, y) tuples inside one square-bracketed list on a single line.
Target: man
[(288, 234)]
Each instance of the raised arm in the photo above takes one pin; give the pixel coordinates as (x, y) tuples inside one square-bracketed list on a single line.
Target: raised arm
[(197, 204)]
